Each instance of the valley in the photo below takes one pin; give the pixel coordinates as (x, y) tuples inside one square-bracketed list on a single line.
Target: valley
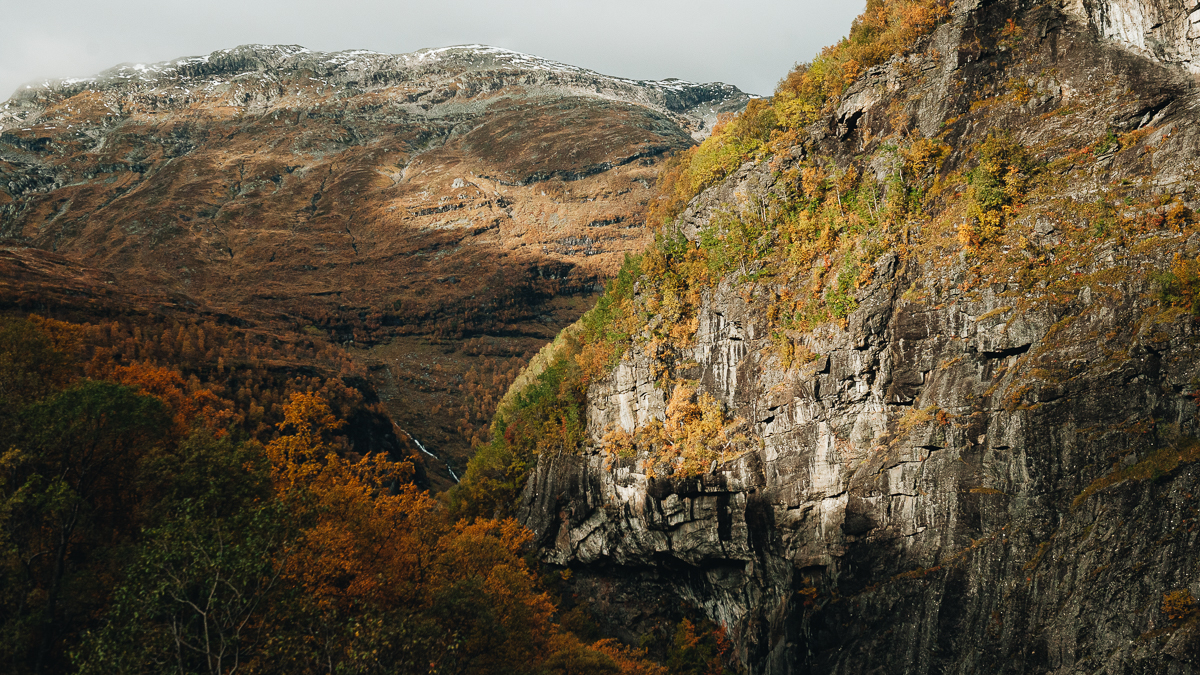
[(439, 215), (467, 361)]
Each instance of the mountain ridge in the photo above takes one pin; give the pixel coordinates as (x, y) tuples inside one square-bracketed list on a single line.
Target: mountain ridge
[(359, 71), (431, 200)]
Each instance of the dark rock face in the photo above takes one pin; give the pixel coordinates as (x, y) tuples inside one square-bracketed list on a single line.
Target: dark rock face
[(963, 480)]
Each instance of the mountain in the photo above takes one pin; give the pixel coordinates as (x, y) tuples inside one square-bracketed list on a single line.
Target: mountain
[(908, 383), (441, 214)]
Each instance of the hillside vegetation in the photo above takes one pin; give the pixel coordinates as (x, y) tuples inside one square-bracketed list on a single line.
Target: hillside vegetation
[(801, 248), (668, 280), (154, 523), (438, 215)]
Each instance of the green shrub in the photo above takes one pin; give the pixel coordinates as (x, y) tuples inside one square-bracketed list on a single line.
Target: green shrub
[(736, 243), (841, 298), (996, 186), (1179, 286)]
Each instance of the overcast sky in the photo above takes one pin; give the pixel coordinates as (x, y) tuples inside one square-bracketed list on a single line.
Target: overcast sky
[(748, 43)]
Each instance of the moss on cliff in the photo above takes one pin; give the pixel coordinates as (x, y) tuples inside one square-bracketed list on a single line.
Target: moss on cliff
[(887, 28)]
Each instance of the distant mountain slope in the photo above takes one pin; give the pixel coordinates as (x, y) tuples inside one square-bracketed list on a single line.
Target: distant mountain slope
[(466, 193), (439, 82)]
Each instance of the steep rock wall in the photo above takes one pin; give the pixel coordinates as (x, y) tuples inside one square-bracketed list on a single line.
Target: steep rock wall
[(975, 474), (1163, 30)]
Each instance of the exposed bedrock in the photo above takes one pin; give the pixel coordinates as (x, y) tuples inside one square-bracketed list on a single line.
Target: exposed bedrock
[(961, 480)]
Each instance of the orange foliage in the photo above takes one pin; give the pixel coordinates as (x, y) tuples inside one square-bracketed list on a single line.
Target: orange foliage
[(254, 370), (188, 405), (711, 648), (366, 543), (886, 28), (629, 660)]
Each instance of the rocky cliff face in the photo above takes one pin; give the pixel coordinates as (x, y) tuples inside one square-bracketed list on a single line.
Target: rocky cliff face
[(991, 464), (452, 208), (1168, 32)]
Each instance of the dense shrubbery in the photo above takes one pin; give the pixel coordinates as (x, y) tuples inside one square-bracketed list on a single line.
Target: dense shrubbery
[(545, 417), (997, 184), (1180, 285)]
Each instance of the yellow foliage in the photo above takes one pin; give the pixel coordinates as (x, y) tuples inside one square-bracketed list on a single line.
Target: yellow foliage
[(1179, 605), (887, 27), (1180, 286), (298, 457), (694, 432), (1159, 463), (997, 186), (813, 178), (923, 156)]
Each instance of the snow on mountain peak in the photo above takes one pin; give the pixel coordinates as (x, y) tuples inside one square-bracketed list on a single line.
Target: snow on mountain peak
[(256, 74)]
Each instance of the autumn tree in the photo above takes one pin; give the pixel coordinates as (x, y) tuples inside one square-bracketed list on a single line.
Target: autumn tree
[(188, 404), (374, 546)]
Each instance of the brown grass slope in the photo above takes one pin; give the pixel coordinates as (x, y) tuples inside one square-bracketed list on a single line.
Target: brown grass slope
[(440, 215)]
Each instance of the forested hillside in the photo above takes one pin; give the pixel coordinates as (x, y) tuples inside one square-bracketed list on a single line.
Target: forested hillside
[(152, 522), (438, 215)]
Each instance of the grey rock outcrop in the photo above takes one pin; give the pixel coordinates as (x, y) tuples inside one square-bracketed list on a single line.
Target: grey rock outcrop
[(436, 82), (1163, 30), (973, 474)]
